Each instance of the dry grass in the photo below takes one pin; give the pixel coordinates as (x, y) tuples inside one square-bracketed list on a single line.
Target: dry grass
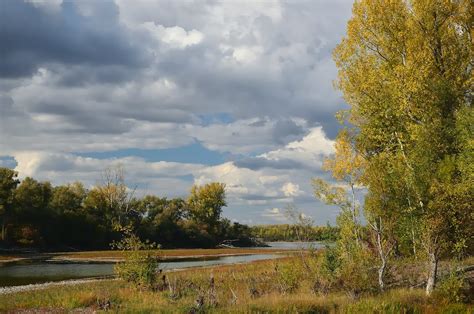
[(248, 288)]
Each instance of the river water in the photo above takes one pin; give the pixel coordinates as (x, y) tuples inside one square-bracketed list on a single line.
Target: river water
[(23, 273)]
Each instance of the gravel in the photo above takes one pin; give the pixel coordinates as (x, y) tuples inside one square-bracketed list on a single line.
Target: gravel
[(41, 286)]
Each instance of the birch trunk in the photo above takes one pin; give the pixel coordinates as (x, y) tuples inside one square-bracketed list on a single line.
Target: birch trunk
[(383, 265), (432, 273)]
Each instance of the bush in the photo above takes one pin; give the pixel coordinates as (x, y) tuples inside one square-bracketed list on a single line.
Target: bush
[(358, 273), (325, 271), (453, 287), (351, 271), (140, 264), (288, 277)]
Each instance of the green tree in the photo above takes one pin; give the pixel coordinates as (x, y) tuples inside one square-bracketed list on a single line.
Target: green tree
[(32, 211), (67, 198), (405, 68), (8, 183), (205, 205)]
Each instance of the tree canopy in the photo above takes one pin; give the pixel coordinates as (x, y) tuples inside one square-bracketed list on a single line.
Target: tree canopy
[(405, 69)]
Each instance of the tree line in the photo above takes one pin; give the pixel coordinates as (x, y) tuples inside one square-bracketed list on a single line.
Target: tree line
[(294, 232), (38, 214)]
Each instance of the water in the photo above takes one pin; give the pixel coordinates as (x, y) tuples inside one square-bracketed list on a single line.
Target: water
[(296, 245), (15, 274)]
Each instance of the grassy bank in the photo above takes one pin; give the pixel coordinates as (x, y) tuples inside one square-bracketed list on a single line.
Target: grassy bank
[(275, 286)]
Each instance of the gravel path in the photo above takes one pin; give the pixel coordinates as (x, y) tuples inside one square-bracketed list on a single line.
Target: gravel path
[(41, 286)]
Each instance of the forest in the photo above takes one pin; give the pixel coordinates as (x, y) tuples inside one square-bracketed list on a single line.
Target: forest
[(71, 217)]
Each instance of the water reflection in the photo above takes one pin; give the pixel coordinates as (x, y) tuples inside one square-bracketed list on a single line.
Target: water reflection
[(28, 273)]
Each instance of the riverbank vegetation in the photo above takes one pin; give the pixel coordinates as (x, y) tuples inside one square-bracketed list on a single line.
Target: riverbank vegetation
[(405, 69), (282, 285), (287, 232)]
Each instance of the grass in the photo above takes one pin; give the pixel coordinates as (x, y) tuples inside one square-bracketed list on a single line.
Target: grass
[(248, 288)]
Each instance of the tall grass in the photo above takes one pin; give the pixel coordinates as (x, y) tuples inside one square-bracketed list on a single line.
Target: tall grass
[(258, 287)]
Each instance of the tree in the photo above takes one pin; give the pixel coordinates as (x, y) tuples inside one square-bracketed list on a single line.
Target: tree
[(8, 184), (162, 219), (405, 70), (346, 166), (111, 200), (67, 198), (32, 211), (205, 205)]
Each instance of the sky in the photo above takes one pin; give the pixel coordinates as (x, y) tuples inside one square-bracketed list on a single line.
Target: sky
[(178, 93)]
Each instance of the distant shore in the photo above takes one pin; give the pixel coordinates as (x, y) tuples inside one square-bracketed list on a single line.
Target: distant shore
[(117, 256)]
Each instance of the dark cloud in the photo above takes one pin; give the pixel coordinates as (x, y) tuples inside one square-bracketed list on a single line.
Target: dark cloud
[(257, 163), (285, 130), (106, 46), (257, 197), (32, 37)]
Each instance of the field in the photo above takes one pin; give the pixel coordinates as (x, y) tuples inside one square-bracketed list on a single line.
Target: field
[(264, 286)]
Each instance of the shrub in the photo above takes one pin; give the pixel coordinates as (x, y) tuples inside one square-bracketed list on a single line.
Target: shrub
[(140, 264), (288, 277), (325, 270), (453, 287), (358, 273)]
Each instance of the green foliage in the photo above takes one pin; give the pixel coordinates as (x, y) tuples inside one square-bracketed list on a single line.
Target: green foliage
[(405, 68), (8, 183), (453, 287), (357, 272), (325, 271), (287, 232), (69, 216), (140, 265), (205, 204), (289, 276)]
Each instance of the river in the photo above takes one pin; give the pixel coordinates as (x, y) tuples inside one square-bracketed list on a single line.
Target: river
[(32, 272)]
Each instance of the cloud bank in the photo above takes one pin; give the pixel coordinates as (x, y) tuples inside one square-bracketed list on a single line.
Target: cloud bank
[(249, 82)]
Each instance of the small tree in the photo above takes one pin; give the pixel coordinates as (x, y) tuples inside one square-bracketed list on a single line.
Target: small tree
[(141, 262)]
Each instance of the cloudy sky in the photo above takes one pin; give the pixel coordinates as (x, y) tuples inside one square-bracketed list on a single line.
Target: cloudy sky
[(178, 92)]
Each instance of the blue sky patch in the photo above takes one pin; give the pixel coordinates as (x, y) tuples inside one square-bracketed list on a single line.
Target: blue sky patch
[(194, 153)]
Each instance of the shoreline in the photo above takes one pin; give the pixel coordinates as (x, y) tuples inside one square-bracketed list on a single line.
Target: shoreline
[(73, 282), (67, 258), (45, 285)]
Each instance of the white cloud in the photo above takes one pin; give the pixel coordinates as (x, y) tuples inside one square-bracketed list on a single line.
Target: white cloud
[(265, 65), (247, 54), (175, 37), (310, 151), (275, 214), (291, 189)]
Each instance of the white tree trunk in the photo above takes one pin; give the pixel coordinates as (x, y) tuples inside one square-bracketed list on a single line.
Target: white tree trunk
[(378, 229), (432, 273), (383, 260)]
